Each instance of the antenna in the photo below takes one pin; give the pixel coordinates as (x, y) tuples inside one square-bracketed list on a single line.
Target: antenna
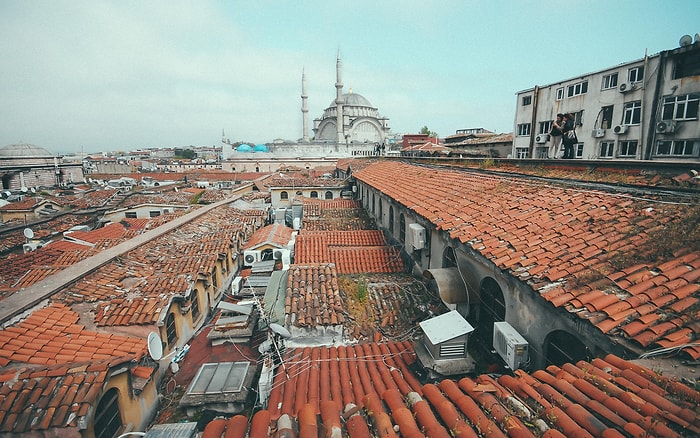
[(155, 347), (28, 233), (685, 40)]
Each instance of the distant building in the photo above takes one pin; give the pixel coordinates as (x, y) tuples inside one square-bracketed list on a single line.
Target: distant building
[(479, 143), (26, 166), (645, 109)]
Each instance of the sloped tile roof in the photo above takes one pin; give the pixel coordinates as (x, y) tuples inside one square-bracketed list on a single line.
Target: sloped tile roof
[(365, 259), (566, 242), (275, 234), (312, 296), (606, 397)]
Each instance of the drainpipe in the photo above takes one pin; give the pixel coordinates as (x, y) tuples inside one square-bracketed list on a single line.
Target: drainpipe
[(651, 131), (535, 99)]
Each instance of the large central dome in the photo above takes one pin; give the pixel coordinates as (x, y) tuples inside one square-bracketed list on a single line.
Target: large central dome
[(353, 99), (24, 150)]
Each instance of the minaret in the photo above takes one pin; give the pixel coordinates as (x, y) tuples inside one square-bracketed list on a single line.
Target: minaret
[(339, 101), (304, 109)]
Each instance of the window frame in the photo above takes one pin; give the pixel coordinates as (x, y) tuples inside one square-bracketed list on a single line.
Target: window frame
[(632, 113), (623, 148), (635, 74), (577, 89), (606, 149), (527, 100), (688, 104), (524, 129), (609, 81)]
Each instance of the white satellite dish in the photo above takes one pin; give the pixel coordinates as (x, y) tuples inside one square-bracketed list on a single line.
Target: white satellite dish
[(176, 190), (33, 190), (24, 189), (685, 40), (28, 233), (278, 329), (155, 347)]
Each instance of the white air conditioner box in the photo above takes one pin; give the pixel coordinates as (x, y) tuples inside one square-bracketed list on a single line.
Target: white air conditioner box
[(541, 138), (296, 223), (283, 255), (665, 127), (620, 129), (417, 233), (598, 132), (251, 256), (626, 86), (236, 285), (510, 345)]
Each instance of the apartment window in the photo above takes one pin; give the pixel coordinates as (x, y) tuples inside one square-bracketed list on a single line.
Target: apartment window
[(284, 195), (632, 113), (680, 107), (677, 148), (560, 93), (545, 127), (130, 215), (170, 330), (524, 129), (636, 74), (577, 89), (606, 149), (521, 153), (628, 148), (606, 117), (402, 228), (527, 100), (609, 81), (687, 64)]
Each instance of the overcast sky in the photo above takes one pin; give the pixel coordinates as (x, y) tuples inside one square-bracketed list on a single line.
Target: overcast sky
[(99, 75)]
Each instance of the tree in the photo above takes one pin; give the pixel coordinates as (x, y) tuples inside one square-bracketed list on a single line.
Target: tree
[(425, 130)]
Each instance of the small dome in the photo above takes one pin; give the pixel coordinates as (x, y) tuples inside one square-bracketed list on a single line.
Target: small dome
[(353, 99), (24, 150), (244, 148), (260, 148)]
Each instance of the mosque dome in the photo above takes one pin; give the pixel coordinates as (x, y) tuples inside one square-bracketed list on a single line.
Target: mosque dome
[(260, 148), (353, 99), (244, 148), (24, 150)]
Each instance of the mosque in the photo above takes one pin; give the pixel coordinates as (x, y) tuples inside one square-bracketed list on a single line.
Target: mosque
[(27, 167), (350, 126)]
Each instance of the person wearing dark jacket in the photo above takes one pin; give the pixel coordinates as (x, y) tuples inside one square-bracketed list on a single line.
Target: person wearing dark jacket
[(569, 136), (555, 136)]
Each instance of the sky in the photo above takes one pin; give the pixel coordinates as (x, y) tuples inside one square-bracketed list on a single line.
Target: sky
[(96, 75)]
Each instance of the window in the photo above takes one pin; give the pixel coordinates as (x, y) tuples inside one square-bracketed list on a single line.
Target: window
[(130, 215), (609, 81), (329, 195), (680, 107), (170, 330), (606, 117), (578, 150), (606, 149), (153, 213), (560, 93), (521, 153), (545, 127), (524, 129), (687, 64), (391, 219), (527, 100), (195, 305), (628, 148), (314, 194), (632, 113), (577, 89), (380, 210), (678, 148), (374, 204), (636, 74), (284, 195), (108, 421), (402, 228)]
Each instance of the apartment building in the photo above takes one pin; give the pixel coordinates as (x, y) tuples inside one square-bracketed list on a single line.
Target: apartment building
[(646, 109)]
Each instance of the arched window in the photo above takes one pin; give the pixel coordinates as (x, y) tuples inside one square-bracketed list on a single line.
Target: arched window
[(374, 203), (391, 219), (170, 329), (215, 279), (561, 347), (257, 169), (108, 420), (284, 195), (314, 194), (195, 305), (329, 195), (380, 211), (402, 228)]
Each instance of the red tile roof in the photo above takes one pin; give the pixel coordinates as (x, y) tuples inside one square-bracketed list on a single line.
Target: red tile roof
[(275, 234), (371, 388), (566, 243)]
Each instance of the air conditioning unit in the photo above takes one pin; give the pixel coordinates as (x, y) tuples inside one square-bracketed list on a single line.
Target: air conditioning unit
[(541, 138), (620, 129), (665, 127), (598, 132), (417, 236), (510, 345), (626, 86), (284, 255), (236, 285), (251, 256)]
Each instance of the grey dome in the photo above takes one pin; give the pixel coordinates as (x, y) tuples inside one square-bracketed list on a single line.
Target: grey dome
[(24, 150), (353, 99)]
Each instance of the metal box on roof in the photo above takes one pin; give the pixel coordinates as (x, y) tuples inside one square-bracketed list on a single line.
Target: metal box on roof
[(446, 335)]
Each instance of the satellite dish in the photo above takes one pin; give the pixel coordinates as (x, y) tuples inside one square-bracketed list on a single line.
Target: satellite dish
[(28, 233), (155, 348), (24, 189), (685, 40), (697, 37), (33, 190), (278, 329)]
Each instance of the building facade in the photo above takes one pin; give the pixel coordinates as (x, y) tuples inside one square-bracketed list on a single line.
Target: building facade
[(645, 109)]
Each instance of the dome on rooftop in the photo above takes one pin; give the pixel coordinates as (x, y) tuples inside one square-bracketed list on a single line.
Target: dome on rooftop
[(24, 150), (353, 99), (244, 148), (260, 148)]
